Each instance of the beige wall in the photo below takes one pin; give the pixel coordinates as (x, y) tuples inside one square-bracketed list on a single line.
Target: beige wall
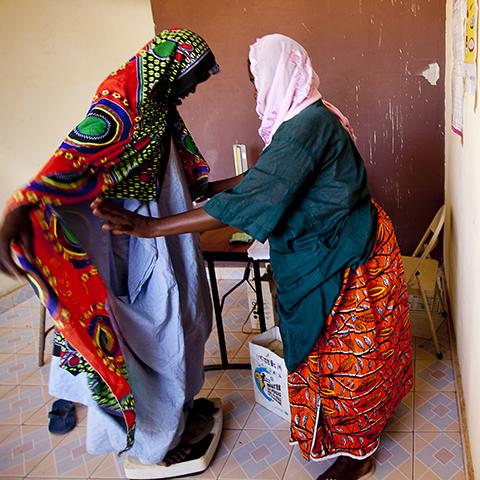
[(54, 53), (462, 247)]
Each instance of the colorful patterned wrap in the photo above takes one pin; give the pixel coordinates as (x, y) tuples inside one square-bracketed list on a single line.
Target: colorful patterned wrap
[(346, 390), (116, 151)]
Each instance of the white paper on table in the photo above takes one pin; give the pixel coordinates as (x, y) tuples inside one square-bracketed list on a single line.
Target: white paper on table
[(259, 251)]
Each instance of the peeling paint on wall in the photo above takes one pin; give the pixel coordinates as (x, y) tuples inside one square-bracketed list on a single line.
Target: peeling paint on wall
[(431, 73)]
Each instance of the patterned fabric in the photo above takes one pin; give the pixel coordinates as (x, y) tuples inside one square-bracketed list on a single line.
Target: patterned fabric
[(74, 363), (345, 392), (116, 151), (70, 359)]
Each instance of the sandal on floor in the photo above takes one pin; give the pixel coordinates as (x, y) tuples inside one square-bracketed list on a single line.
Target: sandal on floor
[(62, 417)]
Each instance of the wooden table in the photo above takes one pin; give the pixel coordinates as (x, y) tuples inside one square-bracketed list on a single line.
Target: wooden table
[(216, 248)]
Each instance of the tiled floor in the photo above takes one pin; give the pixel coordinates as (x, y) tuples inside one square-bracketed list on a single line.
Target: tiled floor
[(422, 442)]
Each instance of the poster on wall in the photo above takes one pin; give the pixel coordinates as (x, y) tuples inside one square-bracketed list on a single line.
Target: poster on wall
[(471, 47), (458, 64)]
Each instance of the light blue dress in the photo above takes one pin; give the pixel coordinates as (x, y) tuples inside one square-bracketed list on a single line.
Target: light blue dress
[(160, 301)]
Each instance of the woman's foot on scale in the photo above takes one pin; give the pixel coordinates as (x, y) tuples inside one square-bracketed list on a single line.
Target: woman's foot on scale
[(346, 468), (197, 437)]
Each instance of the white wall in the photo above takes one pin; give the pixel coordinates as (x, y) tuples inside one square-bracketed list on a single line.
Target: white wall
[(462, 247), (54, 54)]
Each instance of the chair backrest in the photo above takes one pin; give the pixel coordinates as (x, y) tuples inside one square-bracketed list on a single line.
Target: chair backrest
[(429, 240)]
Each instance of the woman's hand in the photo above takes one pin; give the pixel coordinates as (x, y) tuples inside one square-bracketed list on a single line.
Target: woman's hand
[(16, 227), (120, 221)]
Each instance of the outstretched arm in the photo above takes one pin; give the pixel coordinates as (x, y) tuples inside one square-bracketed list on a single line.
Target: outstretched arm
[(120, 221), (222, 185)]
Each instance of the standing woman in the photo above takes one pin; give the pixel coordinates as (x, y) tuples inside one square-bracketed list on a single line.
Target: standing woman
[(342, 296), (131, 315)]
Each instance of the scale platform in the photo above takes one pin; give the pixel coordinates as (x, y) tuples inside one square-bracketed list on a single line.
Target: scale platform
[(136, 470)]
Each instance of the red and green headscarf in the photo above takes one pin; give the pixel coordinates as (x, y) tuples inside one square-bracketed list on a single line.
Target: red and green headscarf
[(117, 151)]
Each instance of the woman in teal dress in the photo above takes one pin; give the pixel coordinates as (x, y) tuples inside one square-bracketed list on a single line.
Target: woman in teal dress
[(342, 298)]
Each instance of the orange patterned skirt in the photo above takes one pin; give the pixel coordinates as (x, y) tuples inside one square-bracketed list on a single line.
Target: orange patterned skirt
[(345, 392)]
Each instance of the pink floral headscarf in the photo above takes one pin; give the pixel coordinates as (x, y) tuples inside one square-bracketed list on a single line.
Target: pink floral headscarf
[(286, 83)]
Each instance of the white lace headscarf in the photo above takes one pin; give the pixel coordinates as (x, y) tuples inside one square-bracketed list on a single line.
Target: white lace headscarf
[(286, 83)]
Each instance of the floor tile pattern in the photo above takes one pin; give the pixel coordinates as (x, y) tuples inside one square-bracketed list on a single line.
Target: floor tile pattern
[(421, 442)]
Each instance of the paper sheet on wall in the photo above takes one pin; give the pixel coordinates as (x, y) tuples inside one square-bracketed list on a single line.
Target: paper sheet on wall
[(458, 64), (471, 47), (458, 84)]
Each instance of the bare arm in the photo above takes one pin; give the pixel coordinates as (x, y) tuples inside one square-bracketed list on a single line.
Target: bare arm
[(121, 221), (197, 220), (222, 185)]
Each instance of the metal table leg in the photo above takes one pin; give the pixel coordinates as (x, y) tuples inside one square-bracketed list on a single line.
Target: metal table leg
[(258, 288), (218, 313)]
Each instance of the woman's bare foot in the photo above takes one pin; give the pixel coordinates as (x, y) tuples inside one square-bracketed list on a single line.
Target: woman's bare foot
[(346, 468)]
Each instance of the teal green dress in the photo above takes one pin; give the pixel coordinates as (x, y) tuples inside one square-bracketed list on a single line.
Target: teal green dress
[(308, 195)]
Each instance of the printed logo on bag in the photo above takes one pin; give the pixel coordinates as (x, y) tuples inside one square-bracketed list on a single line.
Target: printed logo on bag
[(266, 384)]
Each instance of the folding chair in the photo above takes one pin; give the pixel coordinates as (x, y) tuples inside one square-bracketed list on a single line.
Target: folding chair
[(421, 272), (42, 335)]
